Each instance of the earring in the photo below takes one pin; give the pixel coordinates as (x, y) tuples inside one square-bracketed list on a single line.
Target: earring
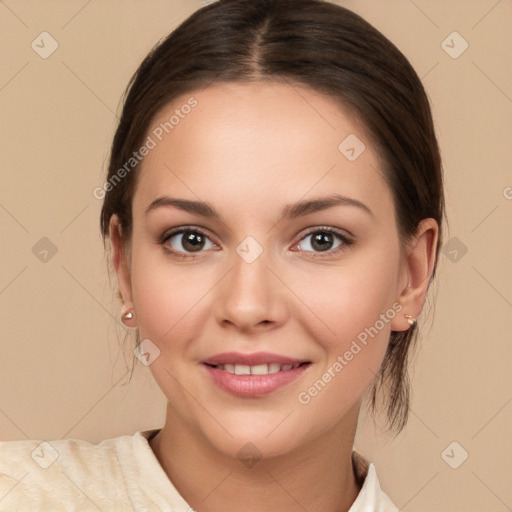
[(127, 315), (412, 321)]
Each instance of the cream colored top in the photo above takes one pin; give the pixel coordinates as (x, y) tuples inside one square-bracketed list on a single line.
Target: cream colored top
[(119, 474)]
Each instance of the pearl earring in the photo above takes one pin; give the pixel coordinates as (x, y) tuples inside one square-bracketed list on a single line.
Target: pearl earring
[(127, 315), (412, 321)]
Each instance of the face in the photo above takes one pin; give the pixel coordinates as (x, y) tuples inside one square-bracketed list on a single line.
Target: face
[(300, 264)]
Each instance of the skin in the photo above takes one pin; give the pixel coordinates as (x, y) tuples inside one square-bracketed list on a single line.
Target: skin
[(249, 150)]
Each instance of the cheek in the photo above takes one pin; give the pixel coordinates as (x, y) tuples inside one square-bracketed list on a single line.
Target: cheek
[(165, 297), (362, 323), (355, 306), (350, 299)]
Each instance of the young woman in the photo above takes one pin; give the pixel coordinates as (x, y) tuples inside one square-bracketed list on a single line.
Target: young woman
[(273, 207)]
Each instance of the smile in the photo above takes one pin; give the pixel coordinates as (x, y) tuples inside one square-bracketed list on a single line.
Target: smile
[(259, 369), (253, 381)]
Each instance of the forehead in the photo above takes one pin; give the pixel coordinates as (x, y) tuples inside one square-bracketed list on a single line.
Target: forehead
[(252, 142)]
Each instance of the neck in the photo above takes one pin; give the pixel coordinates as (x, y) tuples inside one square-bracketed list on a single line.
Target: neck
[(317, 476)]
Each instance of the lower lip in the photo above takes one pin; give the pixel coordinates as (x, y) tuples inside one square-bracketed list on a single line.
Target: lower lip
[(253, 385)]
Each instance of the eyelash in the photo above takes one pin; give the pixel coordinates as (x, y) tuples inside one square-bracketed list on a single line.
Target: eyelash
[(346, 241)]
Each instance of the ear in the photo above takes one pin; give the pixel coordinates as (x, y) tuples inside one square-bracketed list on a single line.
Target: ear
[(416, 273), (122, 265)]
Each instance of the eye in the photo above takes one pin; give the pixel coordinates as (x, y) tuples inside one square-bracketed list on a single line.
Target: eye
[(324, 240), (186, 241)]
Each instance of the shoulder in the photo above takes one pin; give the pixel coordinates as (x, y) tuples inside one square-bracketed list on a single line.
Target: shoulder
[(52, 473), (371, 496)]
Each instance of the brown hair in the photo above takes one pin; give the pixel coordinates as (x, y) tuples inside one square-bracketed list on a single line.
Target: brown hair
[(324, 47)]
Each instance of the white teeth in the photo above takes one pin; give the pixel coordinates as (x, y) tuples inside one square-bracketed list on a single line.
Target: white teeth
[(259, 369), (242, 369), (274, 367)]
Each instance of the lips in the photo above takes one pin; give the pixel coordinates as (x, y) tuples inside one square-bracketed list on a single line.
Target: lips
[(253, 375)]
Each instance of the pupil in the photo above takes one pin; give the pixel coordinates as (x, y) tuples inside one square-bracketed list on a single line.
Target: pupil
[(322, 241), (194, 241)]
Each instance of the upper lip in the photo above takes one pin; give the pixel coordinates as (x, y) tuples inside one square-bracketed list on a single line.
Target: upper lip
[(253, 359)]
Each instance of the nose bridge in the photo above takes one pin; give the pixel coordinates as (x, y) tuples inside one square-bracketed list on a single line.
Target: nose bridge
[(249, 296)]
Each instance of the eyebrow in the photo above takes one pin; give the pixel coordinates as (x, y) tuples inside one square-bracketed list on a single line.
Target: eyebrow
[(290, 211)]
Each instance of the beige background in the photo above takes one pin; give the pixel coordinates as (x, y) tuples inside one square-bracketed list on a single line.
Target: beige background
[(63, 372)]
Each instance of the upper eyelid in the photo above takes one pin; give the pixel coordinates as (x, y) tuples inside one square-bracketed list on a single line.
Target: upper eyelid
[(182, 229), (329, 229)]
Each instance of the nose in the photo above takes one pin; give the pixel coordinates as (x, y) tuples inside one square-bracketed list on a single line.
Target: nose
[(251, 298)]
